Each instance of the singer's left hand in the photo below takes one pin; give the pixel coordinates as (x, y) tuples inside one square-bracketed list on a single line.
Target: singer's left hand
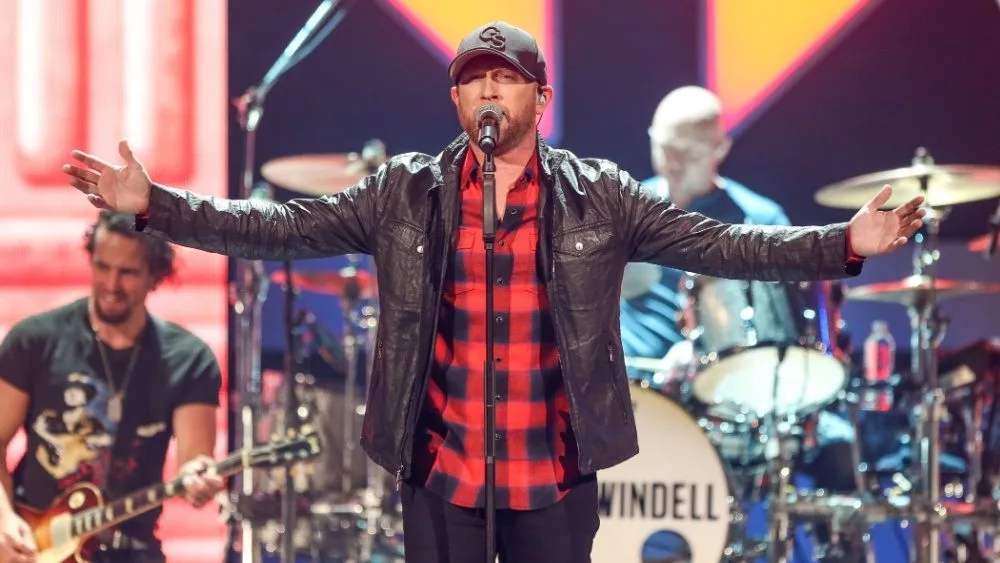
[(876, 232)]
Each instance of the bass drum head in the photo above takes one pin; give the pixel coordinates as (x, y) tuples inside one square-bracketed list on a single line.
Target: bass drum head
[(675, 488), (807, 379)]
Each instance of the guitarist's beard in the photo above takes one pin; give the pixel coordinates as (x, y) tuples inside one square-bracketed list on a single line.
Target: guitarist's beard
[(117, 316)]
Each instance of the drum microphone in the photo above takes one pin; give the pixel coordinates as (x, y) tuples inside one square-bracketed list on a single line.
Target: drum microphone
[(488, 121)]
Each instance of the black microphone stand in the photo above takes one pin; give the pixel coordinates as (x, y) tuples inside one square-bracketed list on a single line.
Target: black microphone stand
[(489, 393), (251, 282)]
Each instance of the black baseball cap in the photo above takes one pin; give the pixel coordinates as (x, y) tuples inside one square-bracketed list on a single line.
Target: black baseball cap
[(502, 39)]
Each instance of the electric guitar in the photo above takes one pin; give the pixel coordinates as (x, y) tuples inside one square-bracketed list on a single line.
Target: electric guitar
[(68, 531)]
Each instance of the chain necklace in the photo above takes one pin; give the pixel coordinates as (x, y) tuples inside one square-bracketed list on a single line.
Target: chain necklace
[(117, 396)]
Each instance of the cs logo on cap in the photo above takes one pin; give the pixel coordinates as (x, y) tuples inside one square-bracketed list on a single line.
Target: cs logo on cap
[(493, 38)]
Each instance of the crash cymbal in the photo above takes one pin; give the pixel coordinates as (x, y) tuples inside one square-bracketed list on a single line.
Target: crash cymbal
[(330, 283), (913, 290), (324, 174), (315, 174), (947, 185)]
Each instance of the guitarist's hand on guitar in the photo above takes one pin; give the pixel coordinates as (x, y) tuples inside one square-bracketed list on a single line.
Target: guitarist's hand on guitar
[(201, 482), (17, 542)]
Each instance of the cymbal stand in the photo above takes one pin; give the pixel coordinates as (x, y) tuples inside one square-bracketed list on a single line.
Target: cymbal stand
[(925, 338), (780, 536), (251, 281)]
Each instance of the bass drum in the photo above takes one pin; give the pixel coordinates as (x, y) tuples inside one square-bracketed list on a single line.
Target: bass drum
[(672, 501), (764, 346)]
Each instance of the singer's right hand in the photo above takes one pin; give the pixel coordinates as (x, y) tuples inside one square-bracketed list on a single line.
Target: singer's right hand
[(17, 544), (119, 188)]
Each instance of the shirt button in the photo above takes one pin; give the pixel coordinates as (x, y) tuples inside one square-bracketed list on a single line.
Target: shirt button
[(499, 281), (499, 319), (513, 211), (420, 249), (502, 243), (578, 246)]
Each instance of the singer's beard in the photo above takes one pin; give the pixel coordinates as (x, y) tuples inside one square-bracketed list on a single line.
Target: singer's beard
[(513, 127)]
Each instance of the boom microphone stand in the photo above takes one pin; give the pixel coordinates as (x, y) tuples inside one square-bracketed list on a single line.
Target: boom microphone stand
[(251, 285)]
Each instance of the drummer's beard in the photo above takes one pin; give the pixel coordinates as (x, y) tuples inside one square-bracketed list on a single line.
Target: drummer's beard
[(514, 125)]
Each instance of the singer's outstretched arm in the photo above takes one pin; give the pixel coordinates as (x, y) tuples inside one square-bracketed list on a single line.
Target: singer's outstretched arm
[(661, 233), (262, 230), (305, 228)]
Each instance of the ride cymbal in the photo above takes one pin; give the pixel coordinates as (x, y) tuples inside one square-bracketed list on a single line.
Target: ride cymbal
[(946, 186)]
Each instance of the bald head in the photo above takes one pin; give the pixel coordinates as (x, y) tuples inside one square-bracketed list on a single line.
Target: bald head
[(688, 142), (687, 109)]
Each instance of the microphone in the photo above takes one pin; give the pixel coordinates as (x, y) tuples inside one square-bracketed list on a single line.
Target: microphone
[(488, 121)]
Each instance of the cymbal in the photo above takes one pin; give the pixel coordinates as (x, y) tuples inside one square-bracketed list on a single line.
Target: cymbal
[(980, 243), (329, 283), (946, 186), (913, 290), (316, 174)]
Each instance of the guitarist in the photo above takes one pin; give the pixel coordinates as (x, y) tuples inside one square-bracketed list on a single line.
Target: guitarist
[(99, 386)]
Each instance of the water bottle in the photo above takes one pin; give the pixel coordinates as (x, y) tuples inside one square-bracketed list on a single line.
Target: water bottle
[(879, 363)]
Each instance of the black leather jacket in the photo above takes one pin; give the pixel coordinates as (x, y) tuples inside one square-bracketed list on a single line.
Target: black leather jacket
[(594, 218)]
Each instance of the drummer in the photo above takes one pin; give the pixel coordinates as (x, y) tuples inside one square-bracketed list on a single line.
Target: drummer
[(687, 145)]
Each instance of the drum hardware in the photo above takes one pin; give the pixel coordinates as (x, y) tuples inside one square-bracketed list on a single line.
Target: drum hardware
[(251, 287), (942, 187)]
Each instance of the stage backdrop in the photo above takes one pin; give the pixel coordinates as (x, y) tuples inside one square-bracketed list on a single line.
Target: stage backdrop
[(83, 74)]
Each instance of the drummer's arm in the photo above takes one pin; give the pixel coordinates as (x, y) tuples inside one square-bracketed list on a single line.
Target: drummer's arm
[(664, 234), (263, 230)]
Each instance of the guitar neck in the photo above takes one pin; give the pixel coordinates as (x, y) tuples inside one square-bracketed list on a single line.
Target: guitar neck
[(98, 519)]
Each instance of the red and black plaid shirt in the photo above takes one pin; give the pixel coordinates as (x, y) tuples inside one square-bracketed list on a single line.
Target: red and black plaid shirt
[(536, 455)]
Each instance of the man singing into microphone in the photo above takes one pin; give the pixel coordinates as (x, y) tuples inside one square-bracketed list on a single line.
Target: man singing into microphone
[(566, 228)]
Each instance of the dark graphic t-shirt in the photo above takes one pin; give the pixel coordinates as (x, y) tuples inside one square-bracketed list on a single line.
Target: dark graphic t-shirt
[(55, 358)]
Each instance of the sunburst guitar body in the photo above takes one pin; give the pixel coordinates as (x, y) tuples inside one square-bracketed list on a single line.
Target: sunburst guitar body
[(76, 523)]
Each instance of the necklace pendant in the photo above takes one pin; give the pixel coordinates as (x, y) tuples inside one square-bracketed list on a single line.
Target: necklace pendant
[(115, 408)]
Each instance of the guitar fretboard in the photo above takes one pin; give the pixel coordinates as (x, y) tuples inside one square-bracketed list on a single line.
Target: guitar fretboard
[(98, 519)]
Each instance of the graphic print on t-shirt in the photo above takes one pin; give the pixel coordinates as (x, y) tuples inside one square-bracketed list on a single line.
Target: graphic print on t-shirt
[(76, 438)]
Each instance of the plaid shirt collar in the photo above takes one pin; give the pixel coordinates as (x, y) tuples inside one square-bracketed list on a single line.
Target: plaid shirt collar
[(471, 171)]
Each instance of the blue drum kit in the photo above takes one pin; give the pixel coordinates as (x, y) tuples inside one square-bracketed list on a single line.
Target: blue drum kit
[(731, 414)]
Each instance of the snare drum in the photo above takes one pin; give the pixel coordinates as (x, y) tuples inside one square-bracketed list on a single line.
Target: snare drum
[(677, 484), (752, 336)]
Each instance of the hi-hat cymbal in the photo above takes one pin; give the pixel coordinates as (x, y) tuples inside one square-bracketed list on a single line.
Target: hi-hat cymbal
[(915, 290), (946, 186), (330, 283)]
